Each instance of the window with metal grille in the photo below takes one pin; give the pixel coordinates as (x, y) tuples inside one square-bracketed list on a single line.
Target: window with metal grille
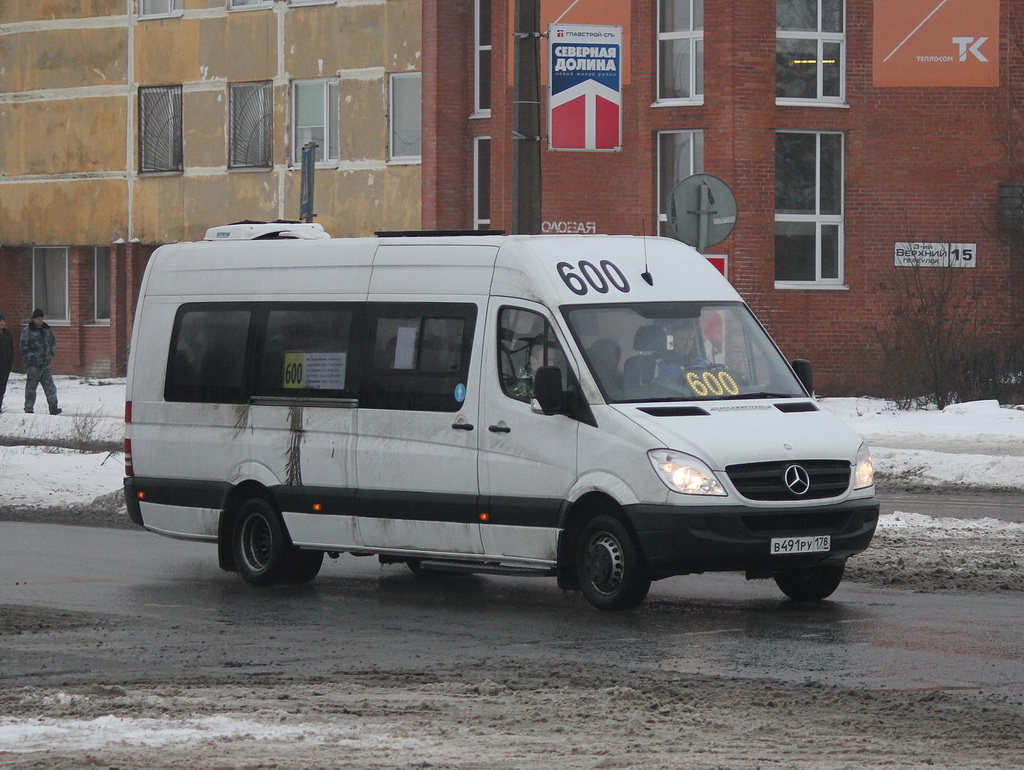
[(252, 125), (160, 129)]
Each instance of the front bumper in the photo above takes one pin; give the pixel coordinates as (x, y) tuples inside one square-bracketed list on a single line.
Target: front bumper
[(678, 541)]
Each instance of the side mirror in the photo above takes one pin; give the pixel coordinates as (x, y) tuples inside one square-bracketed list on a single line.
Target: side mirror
[(547, 389), (804, 373)]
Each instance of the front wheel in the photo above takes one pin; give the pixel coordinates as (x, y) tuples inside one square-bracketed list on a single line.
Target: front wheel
[(810, 584), (611, 571)]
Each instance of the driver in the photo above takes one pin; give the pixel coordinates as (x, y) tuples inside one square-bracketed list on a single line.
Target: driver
[(684, 349)]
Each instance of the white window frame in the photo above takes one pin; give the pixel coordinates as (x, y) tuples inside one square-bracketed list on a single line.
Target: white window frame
[(820, 220), (247, 5), (312, 2), (694, 34), (480, 222), (264, 87), (325, 158), (821, 39), (696, 166), (52, 316), (482, 50), (404, 119), (100, 281), (168, 8)]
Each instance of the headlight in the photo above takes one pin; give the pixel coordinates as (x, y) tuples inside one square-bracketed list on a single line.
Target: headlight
[(684, 473), (864, 475)]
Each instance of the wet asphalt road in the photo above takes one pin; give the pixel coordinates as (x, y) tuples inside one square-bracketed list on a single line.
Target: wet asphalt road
[(1005, 506), (154, 609)]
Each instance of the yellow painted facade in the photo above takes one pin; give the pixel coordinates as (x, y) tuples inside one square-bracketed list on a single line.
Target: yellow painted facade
[(69, 122), (71, 153)]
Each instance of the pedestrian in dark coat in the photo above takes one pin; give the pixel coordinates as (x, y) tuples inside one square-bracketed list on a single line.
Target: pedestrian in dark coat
[(6, 357), (38, 347)]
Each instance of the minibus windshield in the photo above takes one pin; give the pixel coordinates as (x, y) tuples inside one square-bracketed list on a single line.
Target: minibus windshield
[(680, 351)]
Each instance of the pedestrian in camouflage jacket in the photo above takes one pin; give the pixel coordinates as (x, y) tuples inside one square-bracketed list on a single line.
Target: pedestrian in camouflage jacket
[(38, 347)]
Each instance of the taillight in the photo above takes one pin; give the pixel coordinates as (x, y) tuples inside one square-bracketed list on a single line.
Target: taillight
[(129, 469)]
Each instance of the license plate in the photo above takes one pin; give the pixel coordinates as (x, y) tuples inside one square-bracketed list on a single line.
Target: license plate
[(816, 544)]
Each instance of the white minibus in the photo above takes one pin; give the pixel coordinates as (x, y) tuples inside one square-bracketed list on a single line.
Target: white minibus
[(601, 409)]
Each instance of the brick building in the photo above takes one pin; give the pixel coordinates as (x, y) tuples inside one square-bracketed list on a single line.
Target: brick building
[(125, 124), (844, 128)]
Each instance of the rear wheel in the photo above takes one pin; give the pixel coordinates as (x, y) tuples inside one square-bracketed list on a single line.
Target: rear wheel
[(810, 584), (611, 571), (263, 552)]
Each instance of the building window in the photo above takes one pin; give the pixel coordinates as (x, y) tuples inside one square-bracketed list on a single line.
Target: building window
[(482, 68), (160, 129), (680, 154), (809, 208), (250, 3), (810, 50), (315, 119), (101, 284), (251, 108), (482, 183), (405, 115), (50, 281), (159, 7), (680, 50)]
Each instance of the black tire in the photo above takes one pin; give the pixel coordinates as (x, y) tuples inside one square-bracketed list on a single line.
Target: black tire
[(611, 571), (263, 552), (811, 584)]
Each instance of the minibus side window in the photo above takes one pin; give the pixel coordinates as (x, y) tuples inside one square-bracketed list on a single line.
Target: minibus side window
[(420, 355), (526, 342), (206, 363), (305, 352)]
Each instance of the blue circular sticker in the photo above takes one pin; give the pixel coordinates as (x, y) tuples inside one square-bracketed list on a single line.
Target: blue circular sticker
[(460, 393)]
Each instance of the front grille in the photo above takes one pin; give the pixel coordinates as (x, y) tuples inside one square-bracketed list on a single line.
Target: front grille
[(767, 481), (795, 523)]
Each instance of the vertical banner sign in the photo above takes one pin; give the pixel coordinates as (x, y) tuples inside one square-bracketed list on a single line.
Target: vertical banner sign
[(584, 87), (936, 43)]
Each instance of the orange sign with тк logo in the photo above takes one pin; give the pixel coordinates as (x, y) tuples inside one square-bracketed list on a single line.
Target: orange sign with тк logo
[(936, 43)]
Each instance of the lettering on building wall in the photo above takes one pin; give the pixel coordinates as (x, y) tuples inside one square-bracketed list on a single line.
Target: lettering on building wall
[(917, 254), (568, 228)]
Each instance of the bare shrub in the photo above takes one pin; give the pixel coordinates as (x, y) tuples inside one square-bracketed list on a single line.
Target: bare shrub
[(933, 348)]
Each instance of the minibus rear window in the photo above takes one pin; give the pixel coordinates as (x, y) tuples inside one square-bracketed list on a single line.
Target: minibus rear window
[(207, 357)]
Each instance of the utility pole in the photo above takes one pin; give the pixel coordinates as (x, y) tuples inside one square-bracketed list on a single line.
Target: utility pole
[(526, 182)]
